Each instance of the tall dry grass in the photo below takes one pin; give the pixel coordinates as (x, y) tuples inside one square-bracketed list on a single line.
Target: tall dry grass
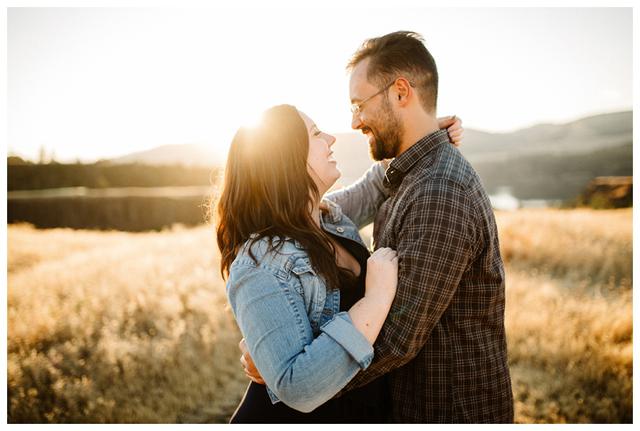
[(570, 353), (121, 327), (582, 246), (569, 314), (117, 327)]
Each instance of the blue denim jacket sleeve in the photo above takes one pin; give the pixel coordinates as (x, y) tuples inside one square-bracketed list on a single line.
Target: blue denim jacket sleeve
[(360, 201), (302, 371)]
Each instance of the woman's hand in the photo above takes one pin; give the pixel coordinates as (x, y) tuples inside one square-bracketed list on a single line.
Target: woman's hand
[(248, 366), (382, 275), (453, 125), (369, 313)]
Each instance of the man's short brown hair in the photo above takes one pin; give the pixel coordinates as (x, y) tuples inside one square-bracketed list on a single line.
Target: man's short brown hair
[(401, 53)]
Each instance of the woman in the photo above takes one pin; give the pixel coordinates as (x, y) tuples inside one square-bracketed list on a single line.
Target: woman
[(307, 296)]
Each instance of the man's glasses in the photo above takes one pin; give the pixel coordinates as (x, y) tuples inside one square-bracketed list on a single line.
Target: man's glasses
[(356, 108)]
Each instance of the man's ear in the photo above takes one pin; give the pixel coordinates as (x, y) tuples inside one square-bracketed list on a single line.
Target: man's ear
[(404, 91)]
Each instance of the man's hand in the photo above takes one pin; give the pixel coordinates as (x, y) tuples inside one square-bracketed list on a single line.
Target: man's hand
[(453, 125), (249, 367)]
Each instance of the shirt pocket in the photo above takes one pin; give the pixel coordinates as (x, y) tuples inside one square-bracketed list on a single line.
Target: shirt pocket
[(312, 288)]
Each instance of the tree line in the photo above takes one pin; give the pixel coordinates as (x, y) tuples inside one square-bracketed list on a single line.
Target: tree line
[(22, 175)]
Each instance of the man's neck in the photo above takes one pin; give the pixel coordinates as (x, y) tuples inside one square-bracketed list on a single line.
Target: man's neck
[(417, 128)]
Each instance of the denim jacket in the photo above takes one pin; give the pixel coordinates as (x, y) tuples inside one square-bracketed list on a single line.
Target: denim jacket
[(304, 348)]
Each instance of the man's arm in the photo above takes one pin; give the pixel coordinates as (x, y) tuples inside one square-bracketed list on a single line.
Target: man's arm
[(435, 245)]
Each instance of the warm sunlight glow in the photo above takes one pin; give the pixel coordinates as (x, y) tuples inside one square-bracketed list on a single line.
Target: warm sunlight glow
[(252, 119), (115, 81)]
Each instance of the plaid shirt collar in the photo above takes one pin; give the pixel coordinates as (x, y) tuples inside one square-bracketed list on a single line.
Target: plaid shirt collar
[(401, 165)]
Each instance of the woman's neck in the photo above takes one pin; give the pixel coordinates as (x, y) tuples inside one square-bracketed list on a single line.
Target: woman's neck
[(315, 213)]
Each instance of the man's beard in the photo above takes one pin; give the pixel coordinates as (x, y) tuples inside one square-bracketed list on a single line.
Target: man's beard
[(386, 140)]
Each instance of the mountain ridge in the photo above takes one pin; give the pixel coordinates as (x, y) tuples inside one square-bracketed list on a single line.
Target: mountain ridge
[(581, 135), (544, 161)]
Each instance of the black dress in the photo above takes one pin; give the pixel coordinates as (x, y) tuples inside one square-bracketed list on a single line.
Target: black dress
[(367, 404)]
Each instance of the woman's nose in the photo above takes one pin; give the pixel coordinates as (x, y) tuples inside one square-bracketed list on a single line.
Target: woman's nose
[(330, 139)]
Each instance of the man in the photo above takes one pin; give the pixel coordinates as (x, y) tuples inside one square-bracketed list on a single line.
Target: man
[(443, 346)]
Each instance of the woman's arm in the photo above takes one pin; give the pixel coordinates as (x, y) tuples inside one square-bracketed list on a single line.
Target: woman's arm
[(302, 371)]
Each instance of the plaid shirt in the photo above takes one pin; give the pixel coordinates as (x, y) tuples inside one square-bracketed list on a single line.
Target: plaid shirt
[(443, 344)]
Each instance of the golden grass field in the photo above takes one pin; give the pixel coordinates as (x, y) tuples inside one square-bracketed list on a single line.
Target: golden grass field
[(112, 327)]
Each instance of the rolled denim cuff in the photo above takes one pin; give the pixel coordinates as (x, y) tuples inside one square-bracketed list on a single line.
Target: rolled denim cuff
[(341, 329)]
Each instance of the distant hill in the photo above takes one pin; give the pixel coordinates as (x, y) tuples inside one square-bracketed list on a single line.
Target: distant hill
[(560, 176), (546, 161), (185, 154), (553, 161), (580, 136)]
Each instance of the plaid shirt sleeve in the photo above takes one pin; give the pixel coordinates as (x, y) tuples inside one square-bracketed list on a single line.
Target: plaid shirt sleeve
[(434, 244)]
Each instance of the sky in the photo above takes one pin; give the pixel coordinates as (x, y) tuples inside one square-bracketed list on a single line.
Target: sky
[(94, 83)]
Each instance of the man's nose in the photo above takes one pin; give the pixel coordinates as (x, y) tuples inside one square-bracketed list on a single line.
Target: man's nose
[(356, 122)]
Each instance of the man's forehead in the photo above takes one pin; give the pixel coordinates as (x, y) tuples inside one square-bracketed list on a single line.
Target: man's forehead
[(359, 71), (358, 81)]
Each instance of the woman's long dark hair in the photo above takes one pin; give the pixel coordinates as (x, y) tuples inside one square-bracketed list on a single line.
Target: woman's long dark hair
[(268, 191)]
